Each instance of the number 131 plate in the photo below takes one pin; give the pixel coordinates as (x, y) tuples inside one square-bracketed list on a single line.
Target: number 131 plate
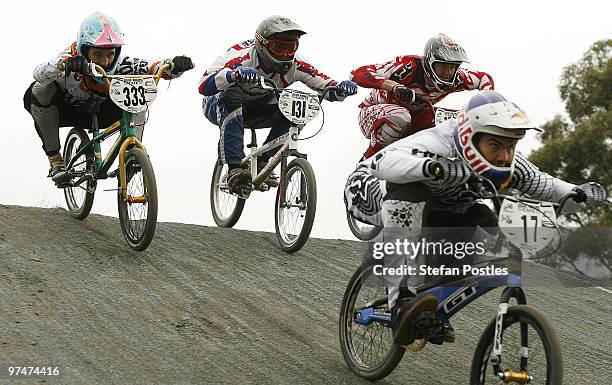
[(133, 94), (299, 107)]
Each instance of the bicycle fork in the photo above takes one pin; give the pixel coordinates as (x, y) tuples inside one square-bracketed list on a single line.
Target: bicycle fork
[(507, 376)]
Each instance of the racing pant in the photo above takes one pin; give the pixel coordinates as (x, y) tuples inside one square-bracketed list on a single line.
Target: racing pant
[(383, 124), (231, 111), (46, 104), (404, 211)]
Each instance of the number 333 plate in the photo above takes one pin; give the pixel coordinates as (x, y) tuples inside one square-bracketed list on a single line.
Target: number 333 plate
[(133, 94), (298, 106)]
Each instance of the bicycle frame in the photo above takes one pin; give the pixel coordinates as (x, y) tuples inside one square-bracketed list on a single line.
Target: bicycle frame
[(127, 138)]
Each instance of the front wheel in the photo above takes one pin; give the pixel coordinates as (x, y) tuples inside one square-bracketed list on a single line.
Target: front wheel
[(363, 231), (296, 204), (79, 199), (226, 207), (138, 214), (530, 348)]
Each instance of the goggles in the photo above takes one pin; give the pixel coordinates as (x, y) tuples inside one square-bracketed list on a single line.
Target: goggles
[(282, 48)]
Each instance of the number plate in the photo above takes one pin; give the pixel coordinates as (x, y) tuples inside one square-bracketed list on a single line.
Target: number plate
[(442, 115), (298, 106), (133, 94), (529, 226)]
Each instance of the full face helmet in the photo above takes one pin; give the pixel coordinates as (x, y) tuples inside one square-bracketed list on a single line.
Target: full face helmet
[(442, 49), (276, 42), (100, 31), (489, 112)]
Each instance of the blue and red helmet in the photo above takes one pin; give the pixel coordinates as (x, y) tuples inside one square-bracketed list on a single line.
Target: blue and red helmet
[(489, 112)]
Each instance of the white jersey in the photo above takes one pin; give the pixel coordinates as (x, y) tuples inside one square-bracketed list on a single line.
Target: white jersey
[(215, 79), (81, 91), (403, 162)]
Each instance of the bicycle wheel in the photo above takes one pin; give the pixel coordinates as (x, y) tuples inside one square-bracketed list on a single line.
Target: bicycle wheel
[(544, 354), (368, 350), (361, 230), (296, 204), (226, 207), (138, 215), (79, 199)]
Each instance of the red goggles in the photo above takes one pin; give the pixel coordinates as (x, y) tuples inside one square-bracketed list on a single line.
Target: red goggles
[(283, 48)]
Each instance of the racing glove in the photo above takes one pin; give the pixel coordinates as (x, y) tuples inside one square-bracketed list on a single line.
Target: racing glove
[(347, 88), (405, 94), (591, 193), (76, 64), (181, 64), (245, 75), (448, 171)]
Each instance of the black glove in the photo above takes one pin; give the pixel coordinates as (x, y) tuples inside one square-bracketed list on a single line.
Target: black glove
[(181, 64), (448, 171), (405, 94), (76, 64), (591, 193)]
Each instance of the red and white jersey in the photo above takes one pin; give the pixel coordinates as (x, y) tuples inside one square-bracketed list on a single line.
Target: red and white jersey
[(215, 79), (80, 90), (408, 71)]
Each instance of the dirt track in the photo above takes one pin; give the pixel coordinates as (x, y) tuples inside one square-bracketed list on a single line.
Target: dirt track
[(216, 306)]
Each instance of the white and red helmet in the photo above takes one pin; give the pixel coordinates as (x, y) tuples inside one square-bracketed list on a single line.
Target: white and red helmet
[(489, 112)]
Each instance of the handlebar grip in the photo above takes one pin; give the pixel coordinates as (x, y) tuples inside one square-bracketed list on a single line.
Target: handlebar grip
[(579, 196)]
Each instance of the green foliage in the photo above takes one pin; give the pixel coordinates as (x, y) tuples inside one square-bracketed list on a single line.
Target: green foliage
[(580, 150)]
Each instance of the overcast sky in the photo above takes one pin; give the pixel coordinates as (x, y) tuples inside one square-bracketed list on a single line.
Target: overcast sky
[(524, 45)]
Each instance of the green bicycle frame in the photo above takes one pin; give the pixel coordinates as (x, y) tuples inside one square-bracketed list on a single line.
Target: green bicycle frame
[(126, 139)]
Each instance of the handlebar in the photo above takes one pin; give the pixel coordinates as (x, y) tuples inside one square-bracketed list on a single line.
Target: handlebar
[(99, 72), (263, 83), (482, 188)]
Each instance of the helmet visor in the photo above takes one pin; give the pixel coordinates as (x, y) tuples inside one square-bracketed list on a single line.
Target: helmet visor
[(283, 49)]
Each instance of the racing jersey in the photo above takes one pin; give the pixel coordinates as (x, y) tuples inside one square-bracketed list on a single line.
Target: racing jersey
[(404, 160), (217, 76), (81, 91), (408, 71)]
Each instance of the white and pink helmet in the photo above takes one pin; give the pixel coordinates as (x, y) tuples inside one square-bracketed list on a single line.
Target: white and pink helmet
[(100, 31)]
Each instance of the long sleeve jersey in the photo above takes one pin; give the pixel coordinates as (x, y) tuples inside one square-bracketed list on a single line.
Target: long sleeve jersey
[(217, 76), (82, 91), (403, 162), (408, 70)]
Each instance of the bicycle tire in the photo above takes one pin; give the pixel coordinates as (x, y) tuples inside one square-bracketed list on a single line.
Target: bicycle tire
[(292, 242), (537, 320), (79, 210), (134, 157), (221, 219), (355, 363)]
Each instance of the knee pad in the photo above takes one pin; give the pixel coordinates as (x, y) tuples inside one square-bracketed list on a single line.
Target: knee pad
[(43, 94), (394, 127), (232, 98)]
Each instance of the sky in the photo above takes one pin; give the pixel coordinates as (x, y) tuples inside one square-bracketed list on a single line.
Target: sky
[(524, 45)]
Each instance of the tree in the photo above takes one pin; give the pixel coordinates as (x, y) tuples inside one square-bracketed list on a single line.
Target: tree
[(579, 149)]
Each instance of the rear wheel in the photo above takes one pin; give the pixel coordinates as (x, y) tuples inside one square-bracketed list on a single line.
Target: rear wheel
[(296, 205), (79, 199), (368, 350), (138, 214), (226, 207)]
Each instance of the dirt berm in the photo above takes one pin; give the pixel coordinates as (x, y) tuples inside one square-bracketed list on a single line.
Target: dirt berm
[(218, 306)]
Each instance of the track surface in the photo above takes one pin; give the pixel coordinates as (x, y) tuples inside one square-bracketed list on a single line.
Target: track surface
[(218, 306)]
